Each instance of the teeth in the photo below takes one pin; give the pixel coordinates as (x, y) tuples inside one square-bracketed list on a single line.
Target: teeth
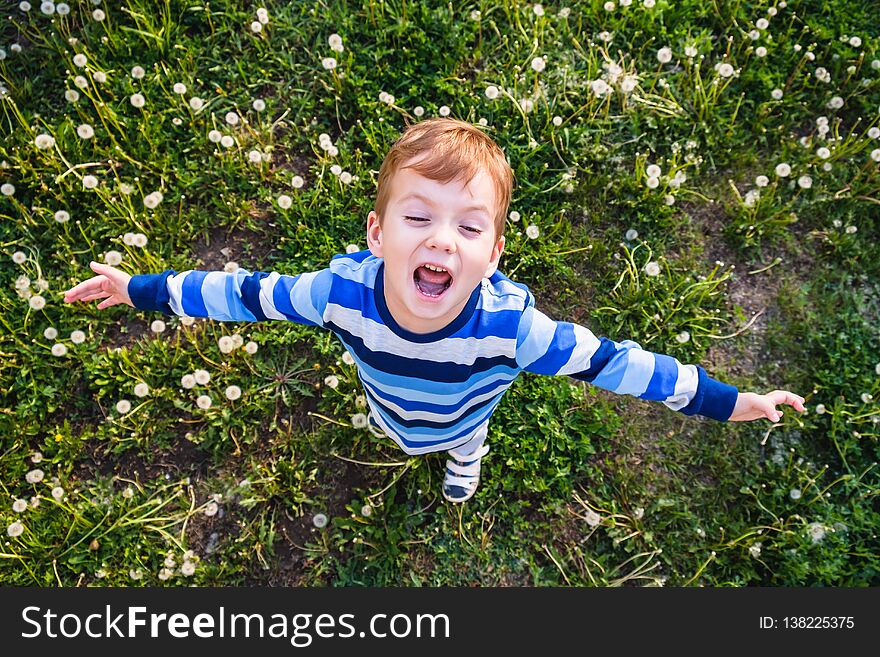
[(433, 268)]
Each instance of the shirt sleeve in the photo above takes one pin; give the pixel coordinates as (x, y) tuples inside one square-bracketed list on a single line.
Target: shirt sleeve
[(545, 346), (239, 296)]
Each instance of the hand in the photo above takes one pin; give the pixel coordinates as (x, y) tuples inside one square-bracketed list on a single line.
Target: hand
[(752, 406), (111, 284)]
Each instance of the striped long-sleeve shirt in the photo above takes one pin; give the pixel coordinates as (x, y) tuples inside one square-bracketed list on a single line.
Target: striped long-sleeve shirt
[(432, 392)]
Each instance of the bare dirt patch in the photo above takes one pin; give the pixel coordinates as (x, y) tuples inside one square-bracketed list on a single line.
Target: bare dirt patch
[(220, 245)]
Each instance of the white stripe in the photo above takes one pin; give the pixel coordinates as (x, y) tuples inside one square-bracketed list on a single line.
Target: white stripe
[(379, 338), (685, 387), (582, 354), (175, 290), (537, 342)]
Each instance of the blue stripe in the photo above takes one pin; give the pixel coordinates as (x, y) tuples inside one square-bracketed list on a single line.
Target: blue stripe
[(191, 294), (250, 294), (662, 383), (559, 351), (600, 359)]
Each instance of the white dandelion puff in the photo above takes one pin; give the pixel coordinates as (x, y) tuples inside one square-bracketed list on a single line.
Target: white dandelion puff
[(226, 344), (34, 476), (44, 141)]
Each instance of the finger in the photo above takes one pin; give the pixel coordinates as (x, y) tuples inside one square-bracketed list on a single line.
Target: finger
[(772, 414), (98, 295), (90, 286), (107, 303)]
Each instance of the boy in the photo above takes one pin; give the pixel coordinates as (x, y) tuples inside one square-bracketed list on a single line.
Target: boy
[(437, 333)]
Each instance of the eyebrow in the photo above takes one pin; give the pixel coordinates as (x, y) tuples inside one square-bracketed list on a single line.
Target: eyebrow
[(416, 195)]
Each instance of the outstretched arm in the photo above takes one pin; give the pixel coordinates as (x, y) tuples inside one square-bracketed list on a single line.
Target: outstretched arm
[(237, 296), (545, 346)]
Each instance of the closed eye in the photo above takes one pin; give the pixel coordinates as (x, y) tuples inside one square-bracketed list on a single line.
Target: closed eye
[(470, 229)]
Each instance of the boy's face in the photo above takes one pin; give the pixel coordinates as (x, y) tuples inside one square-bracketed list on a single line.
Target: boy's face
[(447, 225)]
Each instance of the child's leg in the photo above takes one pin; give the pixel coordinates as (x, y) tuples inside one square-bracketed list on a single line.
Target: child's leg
[(474, 443), (463, 469)]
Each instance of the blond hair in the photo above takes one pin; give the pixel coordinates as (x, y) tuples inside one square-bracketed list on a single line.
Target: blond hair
[(454, 150)]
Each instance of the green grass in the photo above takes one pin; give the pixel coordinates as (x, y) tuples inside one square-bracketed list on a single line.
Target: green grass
[(773, 286)]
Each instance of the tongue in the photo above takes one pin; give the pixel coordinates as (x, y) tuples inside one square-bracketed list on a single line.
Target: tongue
[(432, 282)]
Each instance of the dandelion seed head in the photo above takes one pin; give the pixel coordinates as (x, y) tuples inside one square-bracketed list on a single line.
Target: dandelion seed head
[(44, 141), (34, 476)]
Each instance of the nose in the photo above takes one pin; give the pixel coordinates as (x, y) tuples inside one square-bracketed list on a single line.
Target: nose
[(442, 237)]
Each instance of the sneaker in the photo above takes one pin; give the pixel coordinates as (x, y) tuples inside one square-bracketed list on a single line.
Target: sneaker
[(463, 474)]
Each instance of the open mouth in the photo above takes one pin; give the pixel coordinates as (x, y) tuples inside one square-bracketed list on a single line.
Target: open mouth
[(432, 281)]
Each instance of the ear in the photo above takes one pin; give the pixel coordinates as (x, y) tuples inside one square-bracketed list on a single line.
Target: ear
[(374, 234), (497, 250)]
